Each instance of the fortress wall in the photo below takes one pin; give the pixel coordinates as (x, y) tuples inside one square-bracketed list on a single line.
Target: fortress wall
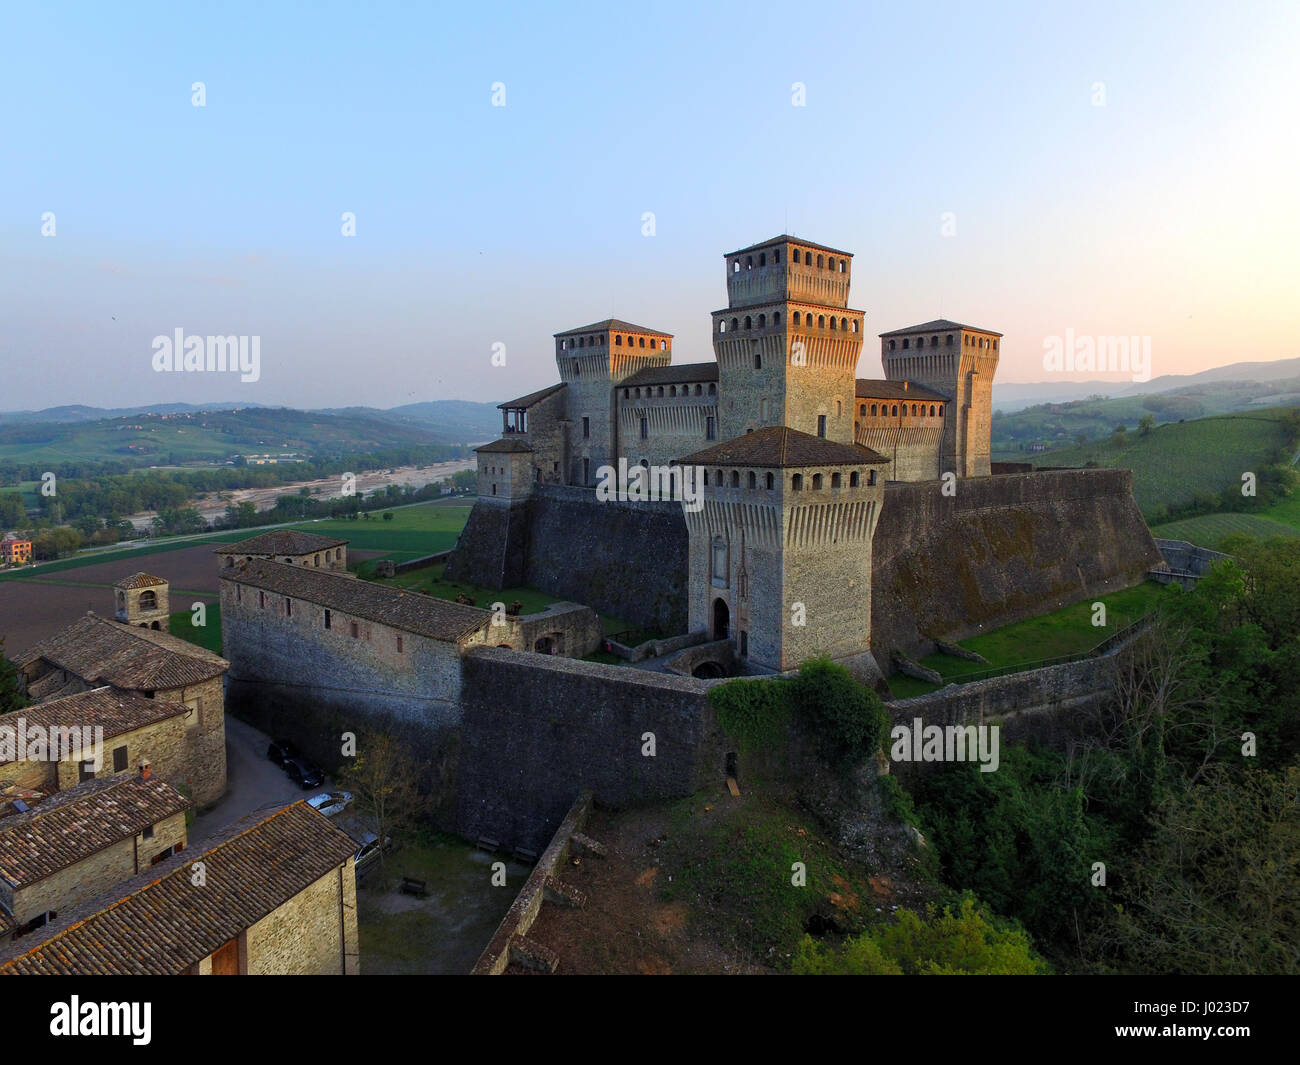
[(1002, 549), (913, 450), (537, 730), (623, 559), (490, 551)]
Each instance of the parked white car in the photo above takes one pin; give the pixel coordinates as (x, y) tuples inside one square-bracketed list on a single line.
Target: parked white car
[(330, 803)]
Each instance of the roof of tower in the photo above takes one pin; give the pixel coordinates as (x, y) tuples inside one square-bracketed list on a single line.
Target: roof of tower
[(785, 238), (870, 388), (506, 447), (673, 375), (139, 580), (613, 325), (779, 446), (937, 326), (531, 398)]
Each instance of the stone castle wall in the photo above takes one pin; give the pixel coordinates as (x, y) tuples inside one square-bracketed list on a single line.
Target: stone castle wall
[(1002, 549), (537, 730)]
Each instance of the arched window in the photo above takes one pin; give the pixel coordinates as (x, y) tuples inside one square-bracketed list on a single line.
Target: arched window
[(627, 393), (862, 411), (855, 325), (771, 482), (776, 317), (582, 342), (821, 321), (642, 339), (817, 482), (721, 482), (893, 413), (835, 481), (762, 259), (663, 345), (735, 324), (807, 258), (844, 323), (796, 483), (839, 408), (713, 390), (931, 410), (871, 477), (934, 342), (753, 479), (853, 479), (748, 322), (762, 321), (905, 343), (672, 390), (995, 345), (830, 263), (819, 262), (661, 390), (874, 411), (697, 390), (776, 256), (148, 600), (949, 341), (749, 262), (796, 317), (843, 266), (891, 345), (618, 342), (833, 322), (564, 345), (735, 266), (722, 325)]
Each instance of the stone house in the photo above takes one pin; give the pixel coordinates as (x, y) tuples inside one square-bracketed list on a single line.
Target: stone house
[(143, 599), (277, 897), (93, 652), (291, 547), (85, 840), (135, 728)]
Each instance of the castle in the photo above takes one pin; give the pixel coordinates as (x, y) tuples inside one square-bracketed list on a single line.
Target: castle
[(794, 449)]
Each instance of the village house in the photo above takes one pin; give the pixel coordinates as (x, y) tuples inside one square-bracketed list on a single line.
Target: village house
[(290, 547), (93, 652), (84, 841), (276, 896)]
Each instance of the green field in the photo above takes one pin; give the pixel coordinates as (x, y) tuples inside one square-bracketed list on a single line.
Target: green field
[(1066, 631), (209, 636), (420, 529), (1175, 461), (1210, 530)]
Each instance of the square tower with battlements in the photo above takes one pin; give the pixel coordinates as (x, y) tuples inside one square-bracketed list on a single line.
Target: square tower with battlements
[(957, 361), (788, 343)]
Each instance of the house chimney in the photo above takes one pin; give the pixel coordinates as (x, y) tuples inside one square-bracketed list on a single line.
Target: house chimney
[(146, 770)]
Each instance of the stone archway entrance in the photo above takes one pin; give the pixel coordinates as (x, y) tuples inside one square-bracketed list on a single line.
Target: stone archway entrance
[(721, 619)]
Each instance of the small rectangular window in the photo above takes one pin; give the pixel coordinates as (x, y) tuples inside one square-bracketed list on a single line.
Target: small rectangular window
[(148, 832), (119, 759), (399, 645), (710, 429), (328, 617), (821, 425), (586, 428), (356, 630), (645, 429), (288, 608)]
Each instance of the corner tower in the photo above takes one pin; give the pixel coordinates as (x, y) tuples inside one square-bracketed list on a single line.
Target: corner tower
[(593, 361), (780, 552), (787, 343), (957, 361)]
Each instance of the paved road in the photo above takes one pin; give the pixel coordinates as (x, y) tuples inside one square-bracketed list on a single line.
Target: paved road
[(253, 782)]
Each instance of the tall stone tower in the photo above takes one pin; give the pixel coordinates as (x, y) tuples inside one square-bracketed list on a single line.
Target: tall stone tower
[(787, 343), (593, 361), (780, 552), (958, 361), (143, 600)]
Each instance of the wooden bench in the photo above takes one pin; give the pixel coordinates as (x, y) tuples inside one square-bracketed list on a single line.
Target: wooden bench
[(412, 886)]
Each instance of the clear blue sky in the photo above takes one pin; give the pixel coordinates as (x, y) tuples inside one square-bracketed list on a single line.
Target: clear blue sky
[(1170, 212)]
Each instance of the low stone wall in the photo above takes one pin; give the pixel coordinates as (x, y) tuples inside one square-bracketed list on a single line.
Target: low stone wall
[(519, 919), (1187, 558), (577, 627), (536, 730), (422, 563)]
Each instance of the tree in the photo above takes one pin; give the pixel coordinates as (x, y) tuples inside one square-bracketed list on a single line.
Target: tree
[(382, 779), (941, 943), (1146, 423), (11, 693)]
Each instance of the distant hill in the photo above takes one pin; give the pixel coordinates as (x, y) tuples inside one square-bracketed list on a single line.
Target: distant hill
[(76, 413), (1012, 397), (470, 422)]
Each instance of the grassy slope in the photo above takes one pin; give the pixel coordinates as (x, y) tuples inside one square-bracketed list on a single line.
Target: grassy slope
[(1063, 632), (1174, 461)]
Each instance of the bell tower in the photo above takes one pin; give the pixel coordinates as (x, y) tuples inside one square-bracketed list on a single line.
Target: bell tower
[(787, 343)]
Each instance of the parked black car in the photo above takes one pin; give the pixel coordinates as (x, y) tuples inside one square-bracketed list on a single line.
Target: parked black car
[(281, 751), (303, 773)]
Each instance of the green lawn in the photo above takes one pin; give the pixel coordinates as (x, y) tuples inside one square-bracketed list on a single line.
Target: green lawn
[(208, 637), (1062, 632), (1209, 530)]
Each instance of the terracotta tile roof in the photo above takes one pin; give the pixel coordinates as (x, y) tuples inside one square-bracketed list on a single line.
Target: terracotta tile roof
[(612, 325), (108, 708), (160, 923), (869, 388), (531, 398), (139, 580), (938, 326), (505, 447), (785, 238), (282, 542), (779, 446), (72, 825), (424, 615), (672, 375), (110, 652)]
